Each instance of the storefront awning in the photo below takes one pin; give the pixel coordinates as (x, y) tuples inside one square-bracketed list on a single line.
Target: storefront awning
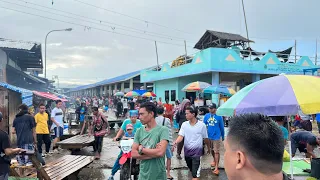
[(48, 96), (26, 95)]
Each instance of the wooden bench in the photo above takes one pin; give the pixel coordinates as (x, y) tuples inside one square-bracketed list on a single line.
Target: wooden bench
[(68, 133), (66, 167), (76, 142)]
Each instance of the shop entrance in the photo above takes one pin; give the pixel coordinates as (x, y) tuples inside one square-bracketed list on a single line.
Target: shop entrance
[(191, 96)]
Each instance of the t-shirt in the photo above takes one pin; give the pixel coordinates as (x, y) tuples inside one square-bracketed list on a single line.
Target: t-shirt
[(215, 126), (193, 138), (318, 117), (4, 144), (136, 125), (57, 114), (285, 132), (131, 103), (304, 137), (82, 115), (167, 123), (125, 103), (23, 126), (129, 135), (42, 123), (152, 168)]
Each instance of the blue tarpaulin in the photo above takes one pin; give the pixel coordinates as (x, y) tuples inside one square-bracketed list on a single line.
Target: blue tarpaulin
[(140, 91), (26, 95)]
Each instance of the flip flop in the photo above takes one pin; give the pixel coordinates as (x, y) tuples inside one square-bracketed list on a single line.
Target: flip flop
[(169, 178), (213, 164), (216, 172)]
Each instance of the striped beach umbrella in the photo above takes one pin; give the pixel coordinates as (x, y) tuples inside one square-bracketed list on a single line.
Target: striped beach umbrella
[(281, 95), (132, 94), (149, 94), (225, 90), (195, 86)]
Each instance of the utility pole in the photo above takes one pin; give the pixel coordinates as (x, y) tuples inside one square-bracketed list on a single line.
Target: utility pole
[(155, 43), (316, 59), (245, 21), (295, 51)]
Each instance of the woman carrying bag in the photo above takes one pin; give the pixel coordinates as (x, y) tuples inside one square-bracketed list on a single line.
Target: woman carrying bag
[(98, 128)]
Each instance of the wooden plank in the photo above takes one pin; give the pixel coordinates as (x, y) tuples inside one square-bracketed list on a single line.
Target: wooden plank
[(77, 139), (63, 168), (72, 139), (74, 167), (59, 160), (59, 163)]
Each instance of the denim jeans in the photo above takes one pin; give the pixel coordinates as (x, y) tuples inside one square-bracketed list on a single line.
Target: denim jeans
[(4, 176)]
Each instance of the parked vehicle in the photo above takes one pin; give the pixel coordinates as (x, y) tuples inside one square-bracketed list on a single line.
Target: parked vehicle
[(129, 166)]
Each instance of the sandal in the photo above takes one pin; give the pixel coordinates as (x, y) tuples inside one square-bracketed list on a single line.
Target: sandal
[(213, 164), (216, 172), (169, 178)]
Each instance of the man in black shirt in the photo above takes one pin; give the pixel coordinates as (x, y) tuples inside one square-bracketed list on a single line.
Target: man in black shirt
[(5, 151), (305, 141)]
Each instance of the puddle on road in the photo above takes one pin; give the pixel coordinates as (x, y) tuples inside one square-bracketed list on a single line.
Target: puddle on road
[(181, 174)]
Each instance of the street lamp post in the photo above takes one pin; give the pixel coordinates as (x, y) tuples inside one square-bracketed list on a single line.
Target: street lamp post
[(45, 49)]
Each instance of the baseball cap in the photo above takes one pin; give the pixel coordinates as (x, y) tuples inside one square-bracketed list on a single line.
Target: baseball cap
[(129, 126), (213, 106)]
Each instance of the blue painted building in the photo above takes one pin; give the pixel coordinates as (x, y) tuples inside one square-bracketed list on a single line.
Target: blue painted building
[(218, 66)]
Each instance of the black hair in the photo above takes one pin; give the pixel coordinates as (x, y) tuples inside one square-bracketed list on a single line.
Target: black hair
[(41, 104), (261, 140), (193, 110), (23, 107), (95, 109), (150, 107), (58, 101), (160, 110)]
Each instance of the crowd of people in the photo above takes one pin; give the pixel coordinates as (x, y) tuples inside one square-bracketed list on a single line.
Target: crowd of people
[(253, 147)]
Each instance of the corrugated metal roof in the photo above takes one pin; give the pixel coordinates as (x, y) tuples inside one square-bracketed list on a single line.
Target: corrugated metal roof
[(107, 81), (118, 78), (26, 95), (8, 43)]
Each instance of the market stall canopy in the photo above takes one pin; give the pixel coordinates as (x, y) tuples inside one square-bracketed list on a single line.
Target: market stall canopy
[(220, 40), (48, 96), (26, 95)]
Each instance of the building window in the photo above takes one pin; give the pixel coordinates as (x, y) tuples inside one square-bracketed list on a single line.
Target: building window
[(173, 95), (166, 95)]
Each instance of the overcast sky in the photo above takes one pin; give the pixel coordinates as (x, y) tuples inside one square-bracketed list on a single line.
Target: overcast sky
[(86, 55)]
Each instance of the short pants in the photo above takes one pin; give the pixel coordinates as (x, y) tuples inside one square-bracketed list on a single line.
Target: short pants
[(24, 159), (215, 145), (194, 165), (168, 152), (58, 132)]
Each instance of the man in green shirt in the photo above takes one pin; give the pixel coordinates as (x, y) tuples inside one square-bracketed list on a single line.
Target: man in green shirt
[(150, 144)]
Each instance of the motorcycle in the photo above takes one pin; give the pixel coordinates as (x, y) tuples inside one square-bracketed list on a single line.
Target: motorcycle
[(129, 166)]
